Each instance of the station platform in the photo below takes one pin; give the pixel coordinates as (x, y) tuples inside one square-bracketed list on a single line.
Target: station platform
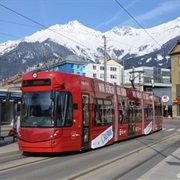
[(169, 168)]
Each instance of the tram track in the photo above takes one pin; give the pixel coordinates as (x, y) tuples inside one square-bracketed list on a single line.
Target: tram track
[(20, 161), (24, 160), (105, 166)]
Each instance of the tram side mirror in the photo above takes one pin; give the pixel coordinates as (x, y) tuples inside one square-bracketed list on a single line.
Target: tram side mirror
[(53, 94)]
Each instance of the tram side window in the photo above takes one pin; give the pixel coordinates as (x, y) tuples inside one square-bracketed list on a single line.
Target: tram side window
[(138, 112), (102, 112), (122, 110), (131, 110), (85, 104), (158, 110), (64, 109), (148, 112)]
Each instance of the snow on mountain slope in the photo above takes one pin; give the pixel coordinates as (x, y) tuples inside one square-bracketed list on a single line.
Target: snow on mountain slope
[(72, 35), (139, 41), (87, 42)]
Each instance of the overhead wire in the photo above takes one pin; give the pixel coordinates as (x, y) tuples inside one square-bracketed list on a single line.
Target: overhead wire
[(42, 25), (88, 34), (11, 22), (9, 35), (137, 22)]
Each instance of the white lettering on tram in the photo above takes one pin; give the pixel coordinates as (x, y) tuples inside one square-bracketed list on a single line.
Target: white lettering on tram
[(156, 99), (103, 138), (84, 83), (136, 94), (121, 91), (138, 129), (146, 96), (101, 87), (109, 89), (122, 131), (106, 88)]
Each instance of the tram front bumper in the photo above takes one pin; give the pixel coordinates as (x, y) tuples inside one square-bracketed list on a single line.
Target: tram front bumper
[(44, 146)]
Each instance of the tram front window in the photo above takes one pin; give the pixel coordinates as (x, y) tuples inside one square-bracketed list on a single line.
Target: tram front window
[(64, 109), (37, 110)]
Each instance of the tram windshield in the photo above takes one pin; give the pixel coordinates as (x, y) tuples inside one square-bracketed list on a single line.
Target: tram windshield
[(39, 110)]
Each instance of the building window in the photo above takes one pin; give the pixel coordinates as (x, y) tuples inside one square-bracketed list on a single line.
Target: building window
[(72, 66), (147, 79), (84, 74), (113, 69), (113, 76), (157, 75), (101, 75), (166, 73), (94, 75), (102, 68), (94, 67)]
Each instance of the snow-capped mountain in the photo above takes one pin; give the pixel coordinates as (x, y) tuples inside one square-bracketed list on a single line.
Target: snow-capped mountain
[(142, 47)]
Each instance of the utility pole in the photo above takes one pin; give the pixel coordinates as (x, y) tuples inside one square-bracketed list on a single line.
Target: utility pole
[(105, 60)]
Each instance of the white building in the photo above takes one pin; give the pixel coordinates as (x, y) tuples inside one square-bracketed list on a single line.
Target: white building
[(148, 77), (114, 71)]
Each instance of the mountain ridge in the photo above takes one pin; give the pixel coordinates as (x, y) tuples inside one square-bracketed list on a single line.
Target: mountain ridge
[(145, 49)]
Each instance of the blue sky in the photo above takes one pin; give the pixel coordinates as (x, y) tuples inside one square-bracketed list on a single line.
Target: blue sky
[(101, 15)]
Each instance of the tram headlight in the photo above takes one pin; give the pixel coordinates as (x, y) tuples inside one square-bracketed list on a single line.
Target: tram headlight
[(56, 133)]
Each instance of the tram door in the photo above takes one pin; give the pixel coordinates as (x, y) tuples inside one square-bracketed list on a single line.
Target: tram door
[(131, 118), (85, 121)]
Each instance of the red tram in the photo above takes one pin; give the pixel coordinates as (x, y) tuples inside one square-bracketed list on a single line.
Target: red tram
[(67, 112)]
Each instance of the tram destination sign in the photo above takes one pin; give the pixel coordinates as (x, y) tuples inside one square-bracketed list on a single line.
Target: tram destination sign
[(36, 82)]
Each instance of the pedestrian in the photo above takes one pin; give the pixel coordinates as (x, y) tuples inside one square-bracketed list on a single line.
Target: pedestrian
[(166, 111)]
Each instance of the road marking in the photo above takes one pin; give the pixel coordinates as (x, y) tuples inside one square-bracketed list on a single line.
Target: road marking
[(170, 129)]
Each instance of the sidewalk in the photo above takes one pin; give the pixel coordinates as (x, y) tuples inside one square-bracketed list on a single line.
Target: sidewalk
[(169, 168), (8, 149)]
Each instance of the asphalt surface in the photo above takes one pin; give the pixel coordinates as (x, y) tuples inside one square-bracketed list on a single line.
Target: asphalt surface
[(171, 164)]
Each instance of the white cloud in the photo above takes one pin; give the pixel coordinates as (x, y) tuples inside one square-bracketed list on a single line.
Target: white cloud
[(162, 9), (114, 18)]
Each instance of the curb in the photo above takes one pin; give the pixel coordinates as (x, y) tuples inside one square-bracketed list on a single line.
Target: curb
[(10, 153)]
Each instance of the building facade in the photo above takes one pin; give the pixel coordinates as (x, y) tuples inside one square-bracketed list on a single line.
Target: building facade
[(175, 73), (96, 70), (148, 77), (77, 65), (151, 79), (154, 80), (70, 64)]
